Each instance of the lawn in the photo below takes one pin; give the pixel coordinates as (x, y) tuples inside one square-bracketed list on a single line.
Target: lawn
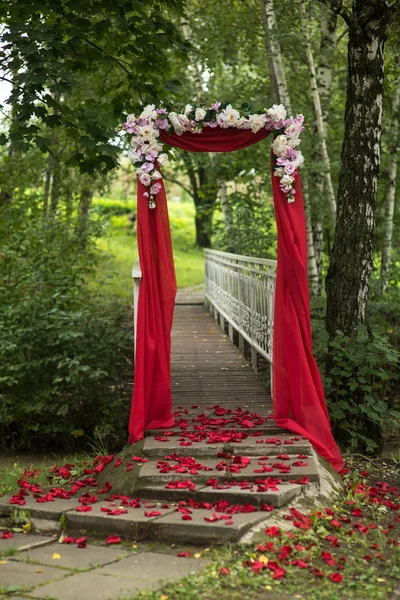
[(119, 246)]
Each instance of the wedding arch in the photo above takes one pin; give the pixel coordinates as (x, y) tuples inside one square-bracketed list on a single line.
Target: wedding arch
[(298, 396)]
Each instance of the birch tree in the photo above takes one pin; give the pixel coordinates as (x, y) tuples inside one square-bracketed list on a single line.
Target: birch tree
[(349, 274), (390, 194), (321, 127)]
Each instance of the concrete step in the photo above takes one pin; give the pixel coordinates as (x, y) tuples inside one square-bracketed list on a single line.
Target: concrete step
[(269, 444), (234, 495), (206, 468)]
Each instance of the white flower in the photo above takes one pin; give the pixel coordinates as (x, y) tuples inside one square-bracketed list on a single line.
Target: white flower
[(156, 174), (199, 114), (188, 109), (143, 177), (243, 123), (298, 160), (257, 122), (176, 124), (279, 145), (148, 112), (293, 142), (277, 112), (279, 171), (287, 180), (162, 159), (154, 145), (228, 117), (133, 155), (148, 133)]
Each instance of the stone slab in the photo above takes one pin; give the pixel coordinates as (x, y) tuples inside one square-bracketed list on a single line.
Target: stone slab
[(149, 473), (133, 525), (25, 541), (92, 586), (286, 493), (172, 527), (311, 470), (51, 511), (153, 566), (72, 557), (28, 576)]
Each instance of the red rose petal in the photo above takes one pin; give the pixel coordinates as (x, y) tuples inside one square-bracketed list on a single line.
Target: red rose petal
[(6, 535), (183, 554), (113, 539), (336, 577)]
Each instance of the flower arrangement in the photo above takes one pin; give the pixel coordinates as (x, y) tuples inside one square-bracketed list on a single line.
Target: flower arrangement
[(147, 152)]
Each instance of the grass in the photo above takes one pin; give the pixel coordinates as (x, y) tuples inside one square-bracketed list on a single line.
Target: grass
[(13, 470), (368, 561), (119, 247)]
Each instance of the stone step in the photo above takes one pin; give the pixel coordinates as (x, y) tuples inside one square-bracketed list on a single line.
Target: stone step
[(234, 495), (150, 473), (251, 446), (168, 526)]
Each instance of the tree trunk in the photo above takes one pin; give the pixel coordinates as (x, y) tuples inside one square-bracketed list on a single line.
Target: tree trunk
[(267, 38), (56, 177), (348, 279), (313, 277), (390, 194), (85, 203), (327, 50), (321, 128), (225, 206), (273, 45)]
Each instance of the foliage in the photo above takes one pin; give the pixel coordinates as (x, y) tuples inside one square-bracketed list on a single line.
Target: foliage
[(79, 66), (63, 345), (356, 387)]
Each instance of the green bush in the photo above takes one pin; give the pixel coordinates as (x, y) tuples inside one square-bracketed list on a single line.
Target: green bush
[(63, 345), (357, 388), (109, 207)]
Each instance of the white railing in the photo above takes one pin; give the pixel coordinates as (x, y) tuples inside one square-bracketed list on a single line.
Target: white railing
[(241, 290)]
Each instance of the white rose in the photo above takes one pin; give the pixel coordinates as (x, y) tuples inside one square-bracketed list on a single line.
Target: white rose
[(287, 180), (176, 124), (279, 171), (257, 122), (156, 174), (188, 109), (243, 123), (230, 116), (199, 114), (277, 112), (162, 159), (298, 161), (279, 145), (293, 142), (148, 133), (133, 156), (148, 112)]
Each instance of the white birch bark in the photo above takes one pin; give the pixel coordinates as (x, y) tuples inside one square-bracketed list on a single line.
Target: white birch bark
[(390, 195), (318, 113), (313, 275), (270, 26)]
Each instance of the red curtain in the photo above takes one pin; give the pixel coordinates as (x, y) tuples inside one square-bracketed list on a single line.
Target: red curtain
[(299, 404), (152, 401)]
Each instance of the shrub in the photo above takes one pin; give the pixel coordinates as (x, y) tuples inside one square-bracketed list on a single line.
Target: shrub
[(356, 388), (63, 345)]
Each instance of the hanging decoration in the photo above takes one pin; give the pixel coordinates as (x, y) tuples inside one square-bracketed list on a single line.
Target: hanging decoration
[(147, 150)]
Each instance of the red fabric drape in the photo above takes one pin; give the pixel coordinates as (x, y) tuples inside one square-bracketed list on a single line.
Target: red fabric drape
[(152, 401), (298, 395), (299, 404)]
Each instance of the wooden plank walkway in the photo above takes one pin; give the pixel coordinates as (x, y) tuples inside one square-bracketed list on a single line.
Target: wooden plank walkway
[(207, 369)]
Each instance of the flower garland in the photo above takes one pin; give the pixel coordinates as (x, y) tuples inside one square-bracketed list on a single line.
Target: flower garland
[(147, 150)]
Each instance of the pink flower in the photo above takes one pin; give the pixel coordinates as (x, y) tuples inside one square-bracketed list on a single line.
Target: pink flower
[(144, 178), (162, 123), (147, 167), (151, 155), (155, 188), (215, 106)]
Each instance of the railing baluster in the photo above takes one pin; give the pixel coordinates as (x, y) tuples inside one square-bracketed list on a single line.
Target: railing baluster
[(241, 289)]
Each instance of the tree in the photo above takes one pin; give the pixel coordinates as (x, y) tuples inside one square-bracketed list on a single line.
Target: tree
[(349, 273), (391, 176), (112, 54), (348, 278)]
